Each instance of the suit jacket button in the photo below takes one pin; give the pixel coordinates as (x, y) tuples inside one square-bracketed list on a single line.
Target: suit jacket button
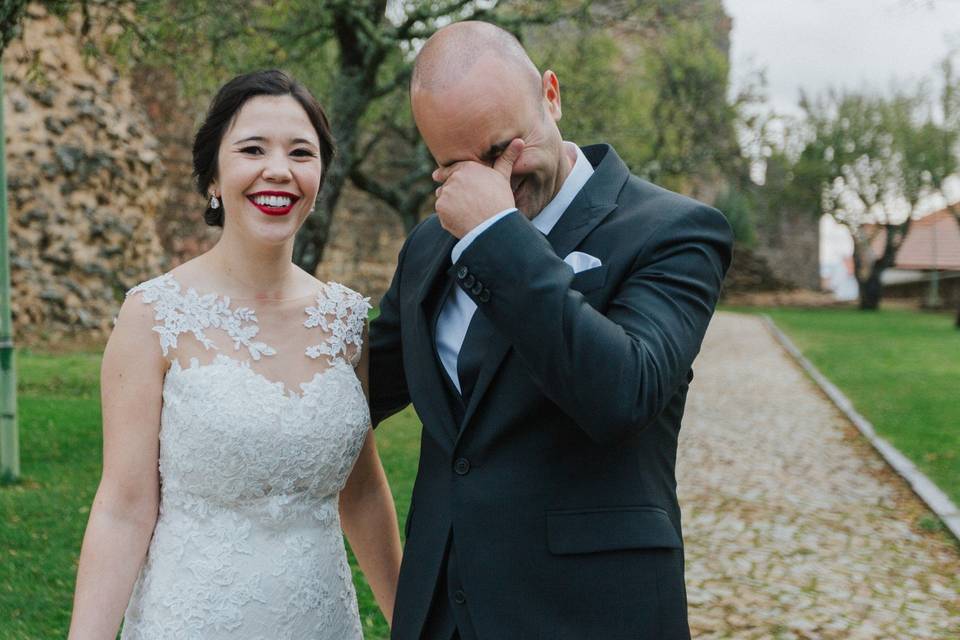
[(469, 281), (485, 295), (462, 273), (477, 288), (459, 596), (461, 467)]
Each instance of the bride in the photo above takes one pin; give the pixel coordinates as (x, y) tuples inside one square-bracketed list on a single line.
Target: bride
[(236, 429)]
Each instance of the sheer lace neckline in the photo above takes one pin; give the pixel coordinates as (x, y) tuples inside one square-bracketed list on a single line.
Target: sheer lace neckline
[(194, 289), (337, 310), (243, 367)]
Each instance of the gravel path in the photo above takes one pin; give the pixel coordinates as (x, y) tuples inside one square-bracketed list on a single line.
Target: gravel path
[(794, 527)]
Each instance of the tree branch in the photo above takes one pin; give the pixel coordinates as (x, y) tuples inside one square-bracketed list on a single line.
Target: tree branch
[(424, 13), (375, 188)]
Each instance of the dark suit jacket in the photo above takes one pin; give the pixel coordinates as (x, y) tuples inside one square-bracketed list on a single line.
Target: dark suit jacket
[(558, 485)]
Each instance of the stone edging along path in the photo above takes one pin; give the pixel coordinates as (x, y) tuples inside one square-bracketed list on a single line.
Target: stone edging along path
[(931, 494)]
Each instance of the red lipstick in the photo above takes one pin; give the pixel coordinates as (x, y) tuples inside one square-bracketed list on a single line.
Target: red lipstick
[(273, 203)]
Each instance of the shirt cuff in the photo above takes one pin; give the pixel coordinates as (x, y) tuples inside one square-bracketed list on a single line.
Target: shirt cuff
[(466, 240)]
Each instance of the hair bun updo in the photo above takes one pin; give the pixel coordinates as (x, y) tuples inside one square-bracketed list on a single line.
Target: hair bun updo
[(224, 108)]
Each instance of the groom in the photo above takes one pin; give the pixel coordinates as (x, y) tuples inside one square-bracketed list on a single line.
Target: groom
[(543, 324)]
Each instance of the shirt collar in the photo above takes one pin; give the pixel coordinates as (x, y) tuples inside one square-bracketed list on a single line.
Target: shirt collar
[(579, 174)]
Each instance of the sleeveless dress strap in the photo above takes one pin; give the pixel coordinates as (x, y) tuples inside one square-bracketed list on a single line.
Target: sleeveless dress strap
[(178, 313), (340, 312)]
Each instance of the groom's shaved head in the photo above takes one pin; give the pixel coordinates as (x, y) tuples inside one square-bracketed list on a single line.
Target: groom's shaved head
[(448, 56)]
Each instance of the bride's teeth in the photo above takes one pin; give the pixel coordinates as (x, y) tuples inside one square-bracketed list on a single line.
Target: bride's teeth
[(273, 201)]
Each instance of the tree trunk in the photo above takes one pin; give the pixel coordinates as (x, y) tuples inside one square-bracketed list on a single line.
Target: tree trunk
[(870, 292), (312, 238), (360, 58), (871, 288), (349, 102)]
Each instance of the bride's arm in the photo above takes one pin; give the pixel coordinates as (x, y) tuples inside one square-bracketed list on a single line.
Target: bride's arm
[(369, 519), (124, 509)]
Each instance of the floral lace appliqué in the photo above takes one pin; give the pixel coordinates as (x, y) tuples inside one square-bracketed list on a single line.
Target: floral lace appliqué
[(248, 540), (341, 313), (179, 313)]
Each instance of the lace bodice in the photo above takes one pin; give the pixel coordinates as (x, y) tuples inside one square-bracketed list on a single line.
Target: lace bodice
[(263, 417)]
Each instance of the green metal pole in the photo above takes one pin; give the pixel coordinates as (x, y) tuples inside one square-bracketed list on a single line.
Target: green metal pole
[(9, 441)]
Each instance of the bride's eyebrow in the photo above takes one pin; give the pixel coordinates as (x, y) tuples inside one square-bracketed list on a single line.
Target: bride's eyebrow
[(262, 139)]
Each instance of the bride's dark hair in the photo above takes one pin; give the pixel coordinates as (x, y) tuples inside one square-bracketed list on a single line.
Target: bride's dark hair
[(224, 108)]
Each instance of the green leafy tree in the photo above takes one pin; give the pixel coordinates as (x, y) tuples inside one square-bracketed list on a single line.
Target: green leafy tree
[(866, 160), (625, 67), (636, 85), (11, 12), (357, 53)]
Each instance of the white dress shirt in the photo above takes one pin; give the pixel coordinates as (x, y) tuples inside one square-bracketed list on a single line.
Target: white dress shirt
[(458, 309)]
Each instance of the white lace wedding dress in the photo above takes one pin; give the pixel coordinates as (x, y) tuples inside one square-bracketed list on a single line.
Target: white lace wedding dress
[(248, 541)]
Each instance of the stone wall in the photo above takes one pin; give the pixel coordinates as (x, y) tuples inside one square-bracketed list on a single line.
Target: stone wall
[(790, 245), (174, 119), (85, 182), (365, 239), (750, 272)]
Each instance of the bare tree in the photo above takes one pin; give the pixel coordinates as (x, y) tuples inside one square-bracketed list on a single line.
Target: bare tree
[(866, 159)]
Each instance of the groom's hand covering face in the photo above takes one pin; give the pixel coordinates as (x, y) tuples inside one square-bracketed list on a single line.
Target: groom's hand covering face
[(472, 192), (470, 97)]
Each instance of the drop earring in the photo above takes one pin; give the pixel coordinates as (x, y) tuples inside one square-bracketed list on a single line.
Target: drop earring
[(214, 202)]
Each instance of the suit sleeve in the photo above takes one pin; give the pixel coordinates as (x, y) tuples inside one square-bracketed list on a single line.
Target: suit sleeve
[(613, 373), (388, 382)]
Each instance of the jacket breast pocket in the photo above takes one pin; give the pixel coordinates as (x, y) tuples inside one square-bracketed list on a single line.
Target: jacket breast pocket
[(590, 279), (610, 529)]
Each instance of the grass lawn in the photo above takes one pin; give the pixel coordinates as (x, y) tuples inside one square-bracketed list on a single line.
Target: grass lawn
[(42, 518), (900, 368)]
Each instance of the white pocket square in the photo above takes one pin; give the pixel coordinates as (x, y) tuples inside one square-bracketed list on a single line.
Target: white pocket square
[(580, 261)]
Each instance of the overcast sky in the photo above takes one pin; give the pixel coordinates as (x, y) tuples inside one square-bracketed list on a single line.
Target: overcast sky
[(815, 44)]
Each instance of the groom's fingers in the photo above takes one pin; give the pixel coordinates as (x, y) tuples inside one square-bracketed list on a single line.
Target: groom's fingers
[(504, 163), (443, 173)]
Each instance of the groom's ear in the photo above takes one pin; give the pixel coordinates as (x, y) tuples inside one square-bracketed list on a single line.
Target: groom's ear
[(551, 94)]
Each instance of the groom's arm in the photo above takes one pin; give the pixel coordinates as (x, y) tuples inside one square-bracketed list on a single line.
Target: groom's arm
[(611, 373), (388, 383)]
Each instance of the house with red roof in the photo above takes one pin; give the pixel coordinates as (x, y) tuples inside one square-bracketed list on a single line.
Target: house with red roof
[(927, 268)]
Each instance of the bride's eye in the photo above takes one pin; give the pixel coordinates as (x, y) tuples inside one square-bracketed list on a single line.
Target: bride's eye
[(303, 153), (252, 150)]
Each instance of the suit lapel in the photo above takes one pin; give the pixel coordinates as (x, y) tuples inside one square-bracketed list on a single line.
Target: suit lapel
[(497, 349), (429, 302), (596, 200)]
